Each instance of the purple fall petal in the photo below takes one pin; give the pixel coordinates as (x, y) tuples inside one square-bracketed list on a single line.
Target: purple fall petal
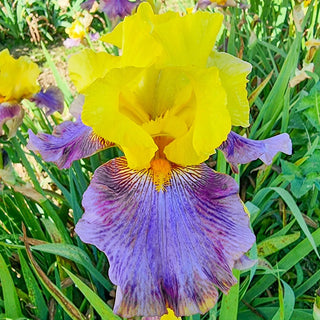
[(167, 249), (117, 8), (52, 100), (238, 149), (69, 141), (12, 116)]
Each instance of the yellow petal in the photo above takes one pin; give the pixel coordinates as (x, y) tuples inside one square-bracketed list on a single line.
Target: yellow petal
[(170, 316), (233, 73), (18, 77), (76, 30), (101, 111), (135, 36), (188, 40), (211, 123), (169, 125), (87, 66)]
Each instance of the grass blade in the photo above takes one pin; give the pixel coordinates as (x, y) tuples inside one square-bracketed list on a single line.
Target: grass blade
[(97, 303), (10, 297)]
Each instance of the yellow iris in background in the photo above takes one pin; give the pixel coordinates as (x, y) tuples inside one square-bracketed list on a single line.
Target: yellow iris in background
[(18, 78)]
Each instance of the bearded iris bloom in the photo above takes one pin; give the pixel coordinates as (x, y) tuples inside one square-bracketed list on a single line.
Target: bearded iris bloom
[(171, 227), (18, 81)]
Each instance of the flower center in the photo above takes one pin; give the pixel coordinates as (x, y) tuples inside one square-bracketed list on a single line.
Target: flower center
[(161, 173), (160, 166)]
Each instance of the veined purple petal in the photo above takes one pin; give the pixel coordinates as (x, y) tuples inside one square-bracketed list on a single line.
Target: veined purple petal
[(117, 8), (12, 116), (69, 141), (238, 149), (52, 100), (170, 248)]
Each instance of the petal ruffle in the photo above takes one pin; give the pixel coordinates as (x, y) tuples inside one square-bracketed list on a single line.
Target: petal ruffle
[(52, 100), (12, 116), (167, 249), (86, 66), (233, 73), (69, 141), (240, 150), (18, 78)]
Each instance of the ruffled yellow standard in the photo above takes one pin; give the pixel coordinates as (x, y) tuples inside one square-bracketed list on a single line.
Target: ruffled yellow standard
[(169, 95), (18, 78)]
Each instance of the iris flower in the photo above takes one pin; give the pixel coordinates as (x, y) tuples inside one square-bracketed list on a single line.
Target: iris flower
[(172, 228), (18, 81), (78, 30)]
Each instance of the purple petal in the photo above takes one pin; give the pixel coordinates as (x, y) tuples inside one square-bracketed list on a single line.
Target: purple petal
[(238, 149), (12, 116), (87, 5), (202, 4), (52, 100), (94, 36), (70, 42), (117, 8), (69, 141), (167, 249)]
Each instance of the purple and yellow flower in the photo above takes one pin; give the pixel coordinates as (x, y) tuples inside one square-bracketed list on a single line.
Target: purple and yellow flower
[(171, 227), (18, 81), (79, 30)]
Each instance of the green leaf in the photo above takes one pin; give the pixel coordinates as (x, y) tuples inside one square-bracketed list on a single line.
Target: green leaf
[(97, 303), (74, 254), (35, 293), (287, 262), (272, 245), (10, 297), (286, 302), (62, 84), (229, 305), (285, 195)]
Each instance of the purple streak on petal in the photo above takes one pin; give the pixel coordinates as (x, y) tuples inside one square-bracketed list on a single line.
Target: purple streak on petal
[(12, 116), (167, 249), (238, 149), (70, 42), (52, 100), (69, 141), (117, 8), (87, 5)]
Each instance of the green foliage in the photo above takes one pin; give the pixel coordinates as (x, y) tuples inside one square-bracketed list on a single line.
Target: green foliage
[(25, 20)]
